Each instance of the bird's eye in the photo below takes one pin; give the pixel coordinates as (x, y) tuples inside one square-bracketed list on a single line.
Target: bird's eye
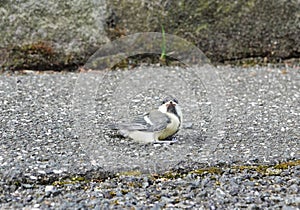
[(164, 101), (175, 100)]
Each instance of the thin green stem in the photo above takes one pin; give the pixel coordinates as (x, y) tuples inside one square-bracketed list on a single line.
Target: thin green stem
[(163, 45)]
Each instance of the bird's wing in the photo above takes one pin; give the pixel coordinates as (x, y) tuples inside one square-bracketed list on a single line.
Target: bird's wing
[(153, 121), (159, 120)]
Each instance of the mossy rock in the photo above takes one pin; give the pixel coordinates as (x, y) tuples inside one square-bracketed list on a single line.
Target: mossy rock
[(223, 30), (55, 35)]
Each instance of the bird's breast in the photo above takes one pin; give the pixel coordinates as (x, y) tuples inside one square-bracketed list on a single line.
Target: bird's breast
[(171, 128)]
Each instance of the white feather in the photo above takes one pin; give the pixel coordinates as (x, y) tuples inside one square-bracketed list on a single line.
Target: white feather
[(146, 118)]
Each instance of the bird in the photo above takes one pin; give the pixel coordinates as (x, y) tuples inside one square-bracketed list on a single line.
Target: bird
[(156, 126)]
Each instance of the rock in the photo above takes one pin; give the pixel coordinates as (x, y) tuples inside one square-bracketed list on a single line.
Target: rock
[(50, 34), (54, 35)]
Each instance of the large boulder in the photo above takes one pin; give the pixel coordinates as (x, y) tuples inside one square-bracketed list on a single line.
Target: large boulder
[(40, 34), (224, 30), (63, 34)]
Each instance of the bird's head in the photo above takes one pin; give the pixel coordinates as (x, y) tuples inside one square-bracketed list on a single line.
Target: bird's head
[(170, 105)]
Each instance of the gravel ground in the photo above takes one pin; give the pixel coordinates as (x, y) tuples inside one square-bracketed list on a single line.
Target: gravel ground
[(56, 151)]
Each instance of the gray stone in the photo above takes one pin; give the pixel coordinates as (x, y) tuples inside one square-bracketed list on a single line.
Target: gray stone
[(57, 31)]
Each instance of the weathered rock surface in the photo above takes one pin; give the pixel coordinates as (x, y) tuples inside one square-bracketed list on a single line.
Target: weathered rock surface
[(56, 34), (49, 34)]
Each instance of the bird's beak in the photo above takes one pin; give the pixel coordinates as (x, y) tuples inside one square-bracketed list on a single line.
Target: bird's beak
[(171, 105)]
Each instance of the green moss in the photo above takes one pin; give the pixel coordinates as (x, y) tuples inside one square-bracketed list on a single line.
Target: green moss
[(172, 175), (115, 202), (78, 179), (269, 170), (287, 165), (124, 191), (272, 172), (112, 193), (201, 27), (212, 170), (260, 168), (37, 55), (72, 180), (129, 173), (18, 184), (265, 170)]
